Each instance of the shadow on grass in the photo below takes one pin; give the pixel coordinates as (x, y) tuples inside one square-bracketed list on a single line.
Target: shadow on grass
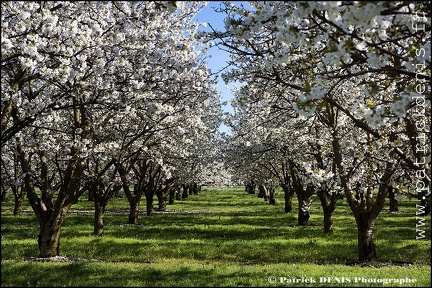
[(90, 275), (242, 251)]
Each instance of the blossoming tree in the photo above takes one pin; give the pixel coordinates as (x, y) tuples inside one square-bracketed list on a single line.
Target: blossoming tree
[(358, 67), (96, 95)]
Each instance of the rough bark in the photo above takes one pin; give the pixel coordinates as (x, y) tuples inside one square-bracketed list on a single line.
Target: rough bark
[(328, 203), (49, 232), (288, 195), (149, 205), (6, 113), (185, 191), (250, 187), (260, 192), (134, 197), (263, 193), (171, 197), (18, 205), (393, 202), (178, 194), (5, 195), (101, 197), (19, 195), (304, 197), (366, 246), (303, 216), (272, 196), (98, 219), (365, 210), (328, 221), (133, 210), (162, 200), (194, 188), (51, 213)]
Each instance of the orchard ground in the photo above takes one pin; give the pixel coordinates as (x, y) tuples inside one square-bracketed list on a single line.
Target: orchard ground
[(220, 237)]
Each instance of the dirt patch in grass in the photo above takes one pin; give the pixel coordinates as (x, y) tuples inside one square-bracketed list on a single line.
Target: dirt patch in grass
[(126, 211), (380, 263), (58, 259)]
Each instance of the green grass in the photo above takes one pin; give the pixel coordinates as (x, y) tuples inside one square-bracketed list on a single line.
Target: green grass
[(240, 240)]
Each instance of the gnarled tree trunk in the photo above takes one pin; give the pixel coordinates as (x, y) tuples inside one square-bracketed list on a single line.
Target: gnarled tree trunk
[(328, 203), (366, 246), (263, 193), (49, 213), (304, 197), (250, 187), (328, 220), (5, 195), (172, 193), (194, 188), (19, 195), (365, 210), (149, 205), (98, 224), (288, 195), (185, 191), (162, 203), (133, 209), (272, 196), (49, 233), (393, 202)]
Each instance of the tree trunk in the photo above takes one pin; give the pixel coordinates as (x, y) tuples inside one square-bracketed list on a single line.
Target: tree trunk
[(19, 199), (328, 221), (272, 196), (195, 188), (185, 191), (263, 193), (5, 195), (133, 210), (304, 198), (328, 208), (250, 188), (366, 246), (98, 219), (49, 234), (51, 214), (100, 201), (260, 192), (149, 202), (171, 196), (393, 201), (19, 195), (303, 216), (288, 193), (162, 197)]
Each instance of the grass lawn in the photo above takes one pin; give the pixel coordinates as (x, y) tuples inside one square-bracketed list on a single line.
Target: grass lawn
[(220, 237)]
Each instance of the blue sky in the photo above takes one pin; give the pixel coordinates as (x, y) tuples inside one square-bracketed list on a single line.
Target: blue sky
[(219, 57)]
